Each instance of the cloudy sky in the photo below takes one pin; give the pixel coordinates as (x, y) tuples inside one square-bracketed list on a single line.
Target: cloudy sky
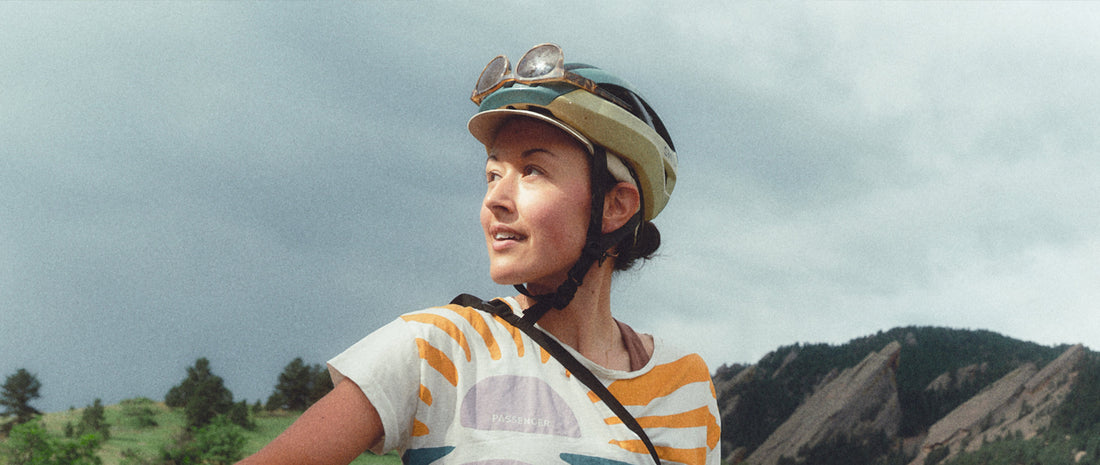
[(255, 182)]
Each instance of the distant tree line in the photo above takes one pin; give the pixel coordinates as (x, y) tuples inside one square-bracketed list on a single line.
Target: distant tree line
[(212, 433)]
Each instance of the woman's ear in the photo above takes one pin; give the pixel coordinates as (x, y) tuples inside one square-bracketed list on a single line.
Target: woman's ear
[(619, 205)]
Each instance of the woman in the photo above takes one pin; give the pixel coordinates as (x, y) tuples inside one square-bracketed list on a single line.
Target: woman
[(578, 164)]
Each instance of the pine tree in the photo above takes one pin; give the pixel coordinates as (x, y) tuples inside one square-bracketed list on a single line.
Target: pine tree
[(299, 386), (18, 391), (202, 395), (93, 420), (292, 390)]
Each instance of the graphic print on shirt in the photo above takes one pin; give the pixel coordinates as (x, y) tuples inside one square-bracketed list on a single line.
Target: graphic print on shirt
[(528, 403), (518, 403)]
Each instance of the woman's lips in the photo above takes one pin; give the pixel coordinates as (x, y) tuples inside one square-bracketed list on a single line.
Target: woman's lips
[(505, 237)]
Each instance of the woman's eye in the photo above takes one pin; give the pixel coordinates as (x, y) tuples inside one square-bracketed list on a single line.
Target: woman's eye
[(532, 171)]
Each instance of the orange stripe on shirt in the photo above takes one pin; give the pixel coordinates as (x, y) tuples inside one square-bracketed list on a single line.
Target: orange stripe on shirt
[(438, 360), (545, 357), (477, 321), (642, 389), (419, 428), (700, 417), (517, 335), (448, 327), (483, 329), (425, 395), (688, 456)]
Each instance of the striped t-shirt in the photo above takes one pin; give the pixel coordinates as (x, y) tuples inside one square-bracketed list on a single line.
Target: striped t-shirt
[(454, 385)]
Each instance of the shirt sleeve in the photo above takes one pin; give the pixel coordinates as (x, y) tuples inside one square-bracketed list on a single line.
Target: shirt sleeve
[(385, 367)]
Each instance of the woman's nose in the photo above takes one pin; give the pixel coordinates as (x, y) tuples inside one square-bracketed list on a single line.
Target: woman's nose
[(500, 195)]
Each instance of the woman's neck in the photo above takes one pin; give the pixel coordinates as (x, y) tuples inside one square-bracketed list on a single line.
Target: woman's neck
[(586, 323)]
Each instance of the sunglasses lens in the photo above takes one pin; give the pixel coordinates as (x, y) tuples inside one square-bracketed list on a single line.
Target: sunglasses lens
[(540, 62), (493, 73)]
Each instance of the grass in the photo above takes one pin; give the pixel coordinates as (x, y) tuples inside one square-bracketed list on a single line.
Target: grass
[(148, 441)]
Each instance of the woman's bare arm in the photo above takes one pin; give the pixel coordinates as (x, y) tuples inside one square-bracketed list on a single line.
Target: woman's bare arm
[(333, 431)]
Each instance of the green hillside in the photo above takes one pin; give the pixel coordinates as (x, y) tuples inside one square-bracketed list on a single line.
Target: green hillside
[(129, 439)]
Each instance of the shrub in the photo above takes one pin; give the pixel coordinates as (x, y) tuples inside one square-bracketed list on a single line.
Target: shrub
[(239, 415), (937, 455), (133, 457), (218, 443), (139, 412), (92, 421), (30, 444)]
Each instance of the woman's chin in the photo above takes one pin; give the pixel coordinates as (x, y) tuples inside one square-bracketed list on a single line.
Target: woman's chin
[(505, 278), (513, 280)]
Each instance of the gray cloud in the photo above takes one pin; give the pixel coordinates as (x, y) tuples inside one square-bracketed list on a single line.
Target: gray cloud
[(258, 182)]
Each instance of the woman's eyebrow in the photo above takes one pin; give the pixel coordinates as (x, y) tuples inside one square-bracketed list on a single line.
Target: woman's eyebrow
[(531, 152), (526, 154)]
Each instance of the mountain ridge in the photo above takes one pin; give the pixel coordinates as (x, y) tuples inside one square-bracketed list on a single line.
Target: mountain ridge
[(804, 401)]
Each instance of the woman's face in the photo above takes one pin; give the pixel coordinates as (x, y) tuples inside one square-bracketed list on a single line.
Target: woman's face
[(536, 208)]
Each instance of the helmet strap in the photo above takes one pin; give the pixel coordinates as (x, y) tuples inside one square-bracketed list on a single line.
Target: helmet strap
[(595, 249)]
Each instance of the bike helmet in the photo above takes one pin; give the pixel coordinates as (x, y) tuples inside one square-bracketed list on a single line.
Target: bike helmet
[(625, 137)]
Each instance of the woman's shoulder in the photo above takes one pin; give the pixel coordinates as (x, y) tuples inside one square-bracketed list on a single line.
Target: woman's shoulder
[(669, 356), (457, 323), (454, 312), (673, 378), (667, 361)]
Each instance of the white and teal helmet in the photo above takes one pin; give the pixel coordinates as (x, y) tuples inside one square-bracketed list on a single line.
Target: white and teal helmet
[(596, 107)]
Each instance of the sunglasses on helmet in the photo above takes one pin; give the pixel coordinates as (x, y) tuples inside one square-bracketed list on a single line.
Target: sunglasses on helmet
[(543, 63)]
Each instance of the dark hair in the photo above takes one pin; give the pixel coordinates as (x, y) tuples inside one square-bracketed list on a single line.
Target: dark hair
[(641, 245)]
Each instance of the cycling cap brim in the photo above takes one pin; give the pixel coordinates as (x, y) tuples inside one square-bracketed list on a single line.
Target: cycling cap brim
[(484, 125)]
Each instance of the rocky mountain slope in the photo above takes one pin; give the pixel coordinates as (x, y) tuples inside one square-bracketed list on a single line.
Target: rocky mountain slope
[(960, 389), (1020, 402), (859, 401)]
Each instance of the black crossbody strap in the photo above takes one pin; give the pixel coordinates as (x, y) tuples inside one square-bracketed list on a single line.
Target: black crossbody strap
[(581, 372)]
